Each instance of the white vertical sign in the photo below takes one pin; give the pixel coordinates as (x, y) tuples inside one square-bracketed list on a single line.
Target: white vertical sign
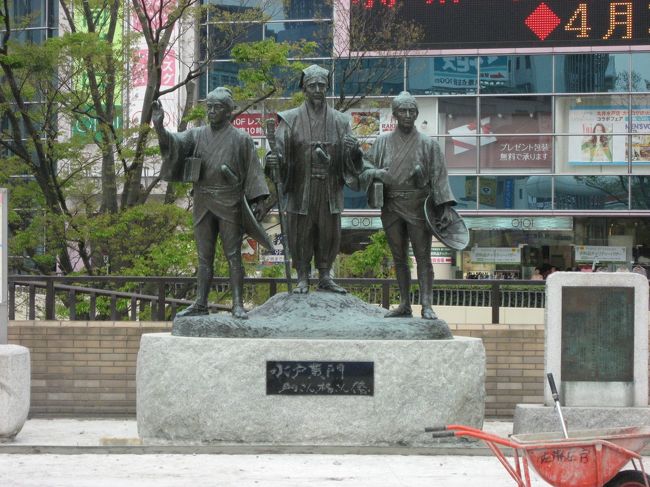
[(4, 267)]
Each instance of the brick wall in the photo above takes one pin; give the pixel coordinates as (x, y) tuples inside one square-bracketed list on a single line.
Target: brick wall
[(88, 368)]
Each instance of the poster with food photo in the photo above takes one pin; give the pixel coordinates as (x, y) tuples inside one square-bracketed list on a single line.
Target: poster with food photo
[(365, 123)]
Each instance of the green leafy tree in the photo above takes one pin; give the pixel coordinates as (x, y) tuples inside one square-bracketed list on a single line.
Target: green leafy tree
[(373, 261)]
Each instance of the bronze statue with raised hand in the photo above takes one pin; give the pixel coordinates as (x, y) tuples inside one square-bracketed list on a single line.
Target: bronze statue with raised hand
[(315, 152), (222, 163)]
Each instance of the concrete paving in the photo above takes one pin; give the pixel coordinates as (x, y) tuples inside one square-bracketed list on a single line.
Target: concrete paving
[(97, 453)]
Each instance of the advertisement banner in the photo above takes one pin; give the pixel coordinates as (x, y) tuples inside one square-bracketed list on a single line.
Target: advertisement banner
[(598, 147), (591, 253), (158, 11), (458, 73), (251, 123)]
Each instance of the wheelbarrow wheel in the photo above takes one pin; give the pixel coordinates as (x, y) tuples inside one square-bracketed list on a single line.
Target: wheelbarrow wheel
[(628, 478)]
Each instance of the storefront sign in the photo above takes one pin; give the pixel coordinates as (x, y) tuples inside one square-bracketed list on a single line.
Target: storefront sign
[(361, 223), (591, 253), (529, 223), (4, 257), (496, 255), (441, 255)]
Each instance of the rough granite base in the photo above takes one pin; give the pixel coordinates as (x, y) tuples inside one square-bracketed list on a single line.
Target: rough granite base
[(14, 390), (209, 390), (313, 315), (536, 418)]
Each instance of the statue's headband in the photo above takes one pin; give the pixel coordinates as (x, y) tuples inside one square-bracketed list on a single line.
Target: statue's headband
[(404, 98), (223, 95), (314, 71)]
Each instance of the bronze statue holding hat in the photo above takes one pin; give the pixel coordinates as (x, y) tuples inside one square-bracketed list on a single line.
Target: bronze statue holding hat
[(417, 200), (315, 151), (228, 185)]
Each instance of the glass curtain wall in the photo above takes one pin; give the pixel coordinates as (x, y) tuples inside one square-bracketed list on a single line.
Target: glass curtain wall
[(535, 133)]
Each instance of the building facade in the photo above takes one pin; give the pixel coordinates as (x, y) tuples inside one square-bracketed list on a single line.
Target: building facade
[(541, 108)]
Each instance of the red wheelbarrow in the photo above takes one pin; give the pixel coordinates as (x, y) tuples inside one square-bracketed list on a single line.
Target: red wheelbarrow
[(590, 458)]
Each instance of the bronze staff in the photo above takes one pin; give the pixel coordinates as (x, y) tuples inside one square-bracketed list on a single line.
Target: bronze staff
[(279, 189)]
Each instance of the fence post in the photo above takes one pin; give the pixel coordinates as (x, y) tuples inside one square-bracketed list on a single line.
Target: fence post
[(273, 288), (495, 302), (385, 295), (49, 298), (161, 301)]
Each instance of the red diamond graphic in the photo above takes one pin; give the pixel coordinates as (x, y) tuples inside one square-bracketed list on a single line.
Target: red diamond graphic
[(542, 21)]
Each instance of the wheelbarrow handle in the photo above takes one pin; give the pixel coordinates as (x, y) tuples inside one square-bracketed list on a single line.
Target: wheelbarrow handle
[(439, 427), (551, 384), (443, 434)]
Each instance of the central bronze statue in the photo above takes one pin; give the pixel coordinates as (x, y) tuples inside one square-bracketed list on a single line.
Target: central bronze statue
[(315, 152), (412, 168)]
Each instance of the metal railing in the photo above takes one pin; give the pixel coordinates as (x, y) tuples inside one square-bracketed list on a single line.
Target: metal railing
[(122, 298)]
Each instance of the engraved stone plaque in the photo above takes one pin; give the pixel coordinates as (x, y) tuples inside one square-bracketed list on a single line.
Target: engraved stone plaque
[(598, 334), (317, 378)]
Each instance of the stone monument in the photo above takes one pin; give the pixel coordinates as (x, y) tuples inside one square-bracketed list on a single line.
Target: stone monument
[(305, 368), (15, 378), (320, 368), (596, 347)]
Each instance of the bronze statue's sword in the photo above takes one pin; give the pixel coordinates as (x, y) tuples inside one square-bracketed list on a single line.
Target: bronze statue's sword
[(279, 189)]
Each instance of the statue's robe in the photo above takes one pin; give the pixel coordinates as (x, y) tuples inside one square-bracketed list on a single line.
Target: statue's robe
[(314, 188), (405, 190), (214, 192)]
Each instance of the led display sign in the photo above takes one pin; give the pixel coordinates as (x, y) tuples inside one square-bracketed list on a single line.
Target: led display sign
[(484, 24)]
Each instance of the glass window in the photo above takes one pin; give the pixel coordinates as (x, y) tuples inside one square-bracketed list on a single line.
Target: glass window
[(512, 116), (580, 114), (376, 76), (640, 78), (31, 36), (640, 192), (640, 139), (457, 120), (354, 200), (222, 37), (517, 114), (591, 154), (591, 192), (318, 32), (514, 192), (601, 123), (581, 73), (532, 152), (281, 9), (222, 74), (516, 74), (33, 10), (442, 75), (464, 189)]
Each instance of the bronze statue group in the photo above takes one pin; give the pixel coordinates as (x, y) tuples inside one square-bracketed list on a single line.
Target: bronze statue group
[(314, 155)]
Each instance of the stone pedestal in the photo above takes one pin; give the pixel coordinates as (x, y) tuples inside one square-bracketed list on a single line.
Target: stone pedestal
[(536, 418), (14, 389), (596, 347), (206, 390)]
